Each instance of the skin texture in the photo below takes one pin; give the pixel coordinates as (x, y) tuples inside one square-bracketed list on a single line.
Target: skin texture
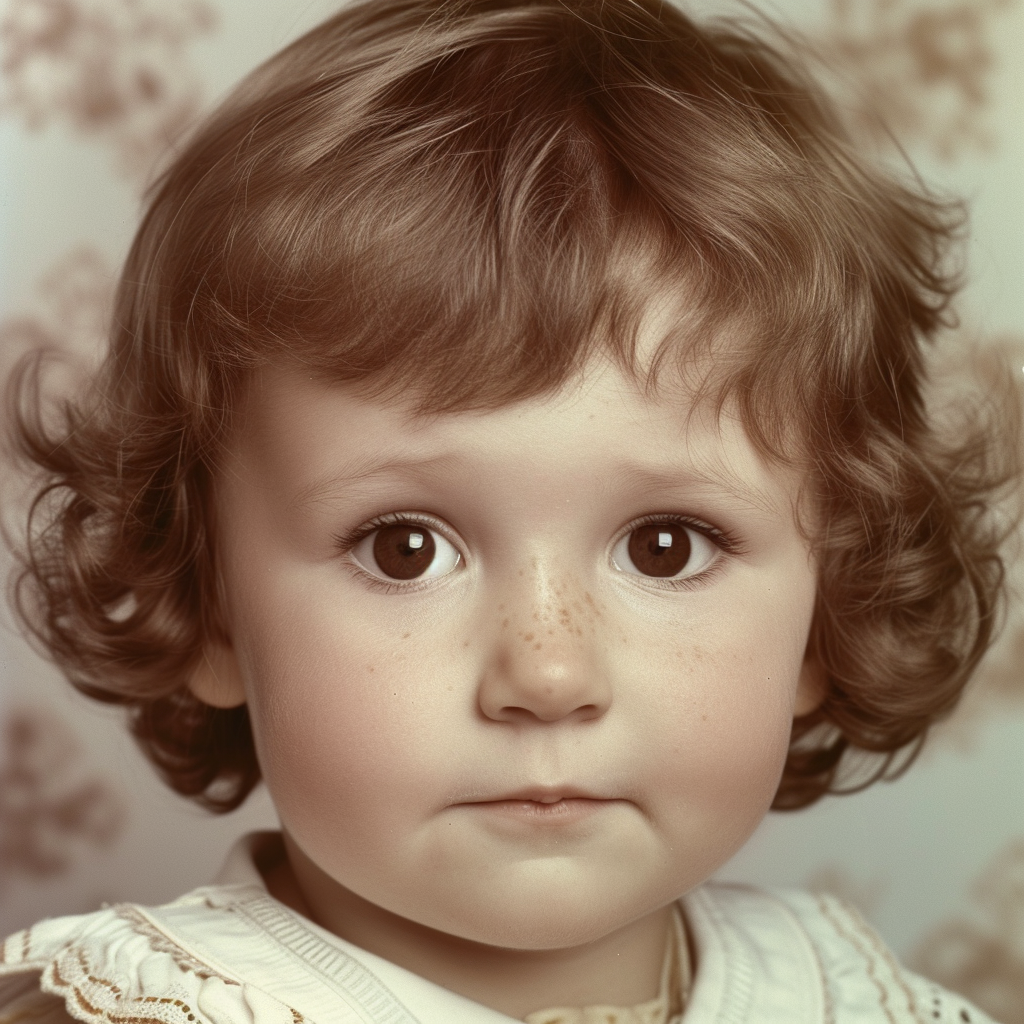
[(502, 775)]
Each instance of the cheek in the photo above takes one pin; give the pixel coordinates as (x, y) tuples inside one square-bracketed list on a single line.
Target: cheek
[(336, 723), (720, 731)]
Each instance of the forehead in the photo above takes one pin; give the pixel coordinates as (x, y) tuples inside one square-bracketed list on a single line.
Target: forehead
[(599, 431)]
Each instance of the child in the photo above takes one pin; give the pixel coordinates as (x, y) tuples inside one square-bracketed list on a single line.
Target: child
[(511, 449)]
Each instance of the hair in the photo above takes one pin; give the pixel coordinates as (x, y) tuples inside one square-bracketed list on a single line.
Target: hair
[(465, 201)]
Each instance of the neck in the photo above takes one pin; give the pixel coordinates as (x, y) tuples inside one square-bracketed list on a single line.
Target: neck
[(619, 969)]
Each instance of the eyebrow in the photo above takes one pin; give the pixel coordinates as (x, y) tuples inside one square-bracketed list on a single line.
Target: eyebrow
[(640, 477), (366, 469), (690, 477)]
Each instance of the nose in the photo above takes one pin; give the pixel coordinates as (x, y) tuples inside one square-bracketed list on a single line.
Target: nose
[(545, 663)]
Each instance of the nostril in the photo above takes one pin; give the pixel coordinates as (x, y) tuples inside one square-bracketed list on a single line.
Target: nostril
[(564, 682)]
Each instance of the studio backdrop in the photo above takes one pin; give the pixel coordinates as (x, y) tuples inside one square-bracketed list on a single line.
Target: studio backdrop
[(92, 95)]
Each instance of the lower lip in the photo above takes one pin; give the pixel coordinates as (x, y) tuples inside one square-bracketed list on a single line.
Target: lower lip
[(569, 809)]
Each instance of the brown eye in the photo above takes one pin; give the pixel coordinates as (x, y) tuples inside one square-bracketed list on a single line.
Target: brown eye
[(666, 550), (405, 551), (659, 549)]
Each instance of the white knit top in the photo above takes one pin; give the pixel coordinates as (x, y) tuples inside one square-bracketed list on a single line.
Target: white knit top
[(229, 953)]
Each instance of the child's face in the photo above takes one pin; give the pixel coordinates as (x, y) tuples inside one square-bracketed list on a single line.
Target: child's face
[(552, 689)]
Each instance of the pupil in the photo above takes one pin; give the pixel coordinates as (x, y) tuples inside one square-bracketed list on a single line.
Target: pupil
[(403, 552), (652, 556)]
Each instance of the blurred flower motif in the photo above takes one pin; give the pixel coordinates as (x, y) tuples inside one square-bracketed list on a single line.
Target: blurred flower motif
[(836, 880), (919, 71), (984, 958), (71, 317), (998, 685), (51, 809), (116, 69)]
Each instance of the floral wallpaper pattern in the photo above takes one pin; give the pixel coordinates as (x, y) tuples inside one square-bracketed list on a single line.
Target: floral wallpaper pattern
[(123, 74), (982, 955), (51, 806), (116, 70), (72, 303), (919, 71)]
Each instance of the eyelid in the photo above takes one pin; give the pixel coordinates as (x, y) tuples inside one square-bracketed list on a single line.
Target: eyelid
[(346, 542), (722, 538), (724, 541)]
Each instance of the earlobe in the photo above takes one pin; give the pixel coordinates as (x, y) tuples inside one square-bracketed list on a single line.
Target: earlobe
[(812, 687), (217, 679)]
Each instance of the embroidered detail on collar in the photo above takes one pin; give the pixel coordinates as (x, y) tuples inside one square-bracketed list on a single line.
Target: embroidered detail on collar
[(160, 942), (665, 1008), (71, 976)]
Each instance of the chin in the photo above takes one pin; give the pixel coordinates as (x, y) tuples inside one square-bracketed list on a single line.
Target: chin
[(540, 919), (539, 931)]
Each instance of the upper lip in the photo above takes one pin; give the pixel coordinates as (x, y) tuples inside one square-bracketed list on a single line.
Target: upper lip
[(539, 795)]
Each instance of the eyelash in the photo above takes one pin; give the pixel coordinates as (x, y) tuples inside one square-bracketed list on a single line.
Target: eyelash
[(723, 540), (345, 542)]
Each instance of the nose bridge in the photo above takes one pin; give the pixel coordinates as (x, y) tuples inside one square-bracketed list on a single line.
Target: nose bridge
[(539, 585), (545, 664), (550, 603)]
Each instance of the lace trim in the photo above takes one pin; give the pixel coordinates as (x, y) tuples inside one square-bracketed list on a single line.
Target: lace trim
[(89, 996), (71, 976)]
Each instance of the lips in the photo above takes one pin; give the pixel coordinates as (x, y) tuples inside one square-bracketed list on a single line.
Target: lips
[(539, 805), (543, 795)]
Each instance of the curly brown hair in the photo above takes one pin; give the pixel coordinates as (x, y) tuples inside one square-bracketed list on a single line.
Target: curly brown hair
[(445, 198)]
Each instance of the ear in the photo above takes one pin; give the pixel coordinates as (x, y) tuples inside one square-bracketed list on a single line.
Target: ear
[(811, 687), (217, 679)]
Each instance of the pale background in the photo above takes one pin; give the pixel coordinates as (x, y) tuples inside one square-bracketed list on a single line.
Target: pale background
[(90, 91)]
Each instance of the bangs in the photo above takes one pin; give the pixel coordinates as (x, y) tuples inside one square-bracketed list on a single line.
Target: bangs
[(471, 243), (467, 215)]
